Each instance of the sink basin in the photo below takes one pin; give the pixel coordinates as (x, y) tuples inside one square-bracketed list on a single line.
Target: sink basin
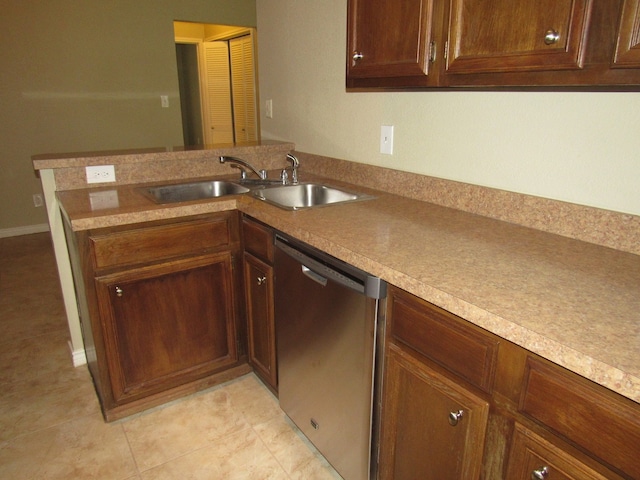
[(184, 192), (307, 195)]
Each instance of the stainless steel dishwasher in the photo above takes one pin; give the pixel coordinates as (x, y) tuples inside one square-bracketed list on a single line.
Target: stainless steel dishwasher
[(329, 317)]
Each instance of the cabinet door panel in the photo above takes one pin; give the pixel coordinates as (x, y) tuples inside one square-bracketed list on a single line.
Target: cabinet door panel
[(169, 324), (391, 37), (417, 439), (511, 35), (603, 423), (628, 48), (531, 455), (258, 278)]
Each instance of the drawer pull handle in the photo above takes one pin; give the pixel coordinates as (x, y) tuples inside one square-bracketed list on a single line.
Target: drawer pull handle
[(118, 292), (357, 56), (454, 417), (540, 473), (261, 280), (551, 37)]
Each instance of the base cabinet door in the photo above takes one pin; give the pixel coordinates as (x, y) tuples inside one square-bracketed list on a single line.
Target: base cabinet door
[(534, 458), (432, 428), (258, 278), (167, 324)]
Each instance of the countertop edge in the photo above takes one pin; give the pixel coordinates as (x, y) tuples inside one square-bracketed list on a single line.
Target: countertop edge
[(583, 364)]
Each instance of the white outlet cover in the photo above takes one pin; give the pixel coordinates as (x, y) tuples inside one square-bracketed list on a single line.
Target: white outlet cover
[(100, 173), (386, 139)]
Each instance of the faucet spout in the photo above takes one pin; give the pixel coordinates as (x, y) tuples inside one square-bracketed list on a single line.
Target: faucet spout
[(295, 163), (234, 161)]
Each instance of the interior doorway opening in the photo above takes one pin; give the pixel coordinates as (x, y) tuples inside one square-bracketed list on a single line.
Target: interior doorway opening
[(218, 83)]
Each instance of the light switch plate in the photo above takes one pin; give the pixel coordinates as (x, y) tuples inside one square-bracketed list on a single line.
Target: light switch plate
[(268, 108), (386, 139)]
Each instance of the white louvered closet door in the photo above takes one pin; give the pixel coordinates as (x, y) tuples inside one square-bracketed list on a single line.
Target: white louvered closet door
[(218, 119), (243, 88)]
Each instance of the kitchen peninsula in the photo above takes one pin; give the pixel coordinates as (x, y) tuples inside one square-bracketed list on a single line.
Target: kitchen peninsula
[(570, 301)]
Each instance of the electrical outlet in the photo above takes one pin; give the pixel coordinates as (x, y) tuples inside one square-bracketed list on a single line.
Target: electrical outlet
[(164, 101), (100, 174), (37, 200)]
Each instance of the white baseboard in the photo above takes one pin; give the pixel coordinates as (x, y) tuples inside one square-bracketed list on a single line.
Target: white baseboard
[(77, 356), (27, 230)]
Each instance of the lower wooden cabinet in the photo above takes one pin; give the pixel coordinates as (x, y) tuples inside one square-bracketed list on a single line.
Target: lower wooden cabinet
[(167, 324), (258, 277), (534, 458), (462, 403), (159, 308), (433, 428), (259, 306)]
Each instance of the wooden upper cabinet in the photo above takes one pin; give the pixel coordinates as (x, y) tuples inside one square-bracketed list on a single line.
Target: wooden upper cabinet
[(389, 43), (575, 44), (628, 47), (510, 36)]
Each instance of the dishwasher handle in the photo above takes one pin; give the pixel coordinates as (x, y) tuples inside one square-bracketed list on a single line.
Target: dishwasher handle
[(325, 266), (316, 277)]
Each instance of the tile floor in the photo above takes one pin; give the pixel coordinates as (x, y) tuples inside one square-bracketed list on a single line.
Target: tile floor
[(50, 421)]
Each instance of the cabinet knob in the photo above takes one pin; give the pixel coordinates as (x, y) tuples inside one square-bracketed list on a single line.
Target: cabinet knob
[(540, 473), (551, 37), (118, 291), (261, 280), (357, 56), (454, 417)]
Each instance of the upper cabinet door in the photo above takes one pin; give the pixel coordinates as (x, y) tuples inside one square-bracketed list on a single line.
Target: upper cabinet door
[(516, 35), (389, 40), (628, 47)]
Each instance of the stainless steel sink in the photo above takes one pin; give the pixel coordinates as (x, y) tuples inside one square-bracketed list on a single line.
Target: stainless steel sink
[(184, 192), (307, 195)]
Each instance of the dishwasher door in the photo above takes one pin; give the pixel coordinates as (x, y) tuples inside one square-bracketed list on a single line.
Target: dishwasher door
[(327, 316)]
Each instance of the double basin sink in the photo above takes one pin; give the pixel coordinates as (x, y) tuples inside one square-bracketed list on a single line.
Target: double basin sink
[(289, 197)]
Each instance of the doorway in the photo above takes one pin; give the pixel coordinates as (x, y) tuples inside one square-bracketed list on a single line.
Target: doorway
[(218, 83)]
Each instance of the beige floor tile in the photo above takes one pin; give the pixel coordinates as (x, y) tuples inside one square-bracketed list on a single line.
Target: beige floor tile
[(46, 401), (35, 356), (85, 448), (237, 456), (249, 396), (293, 451), (166, 433)]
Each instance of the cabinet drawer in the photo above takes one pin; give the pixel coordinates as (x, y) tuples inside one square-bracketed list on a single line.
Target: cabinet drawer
[(603, 423), (156, 243), (534, 457), (444, 338), (258, 239)]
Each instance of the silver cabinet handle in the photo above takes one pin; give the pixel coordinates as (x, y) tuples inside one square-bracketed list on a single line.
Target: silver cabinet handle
[(454, 417), (432, 51), (551, 37), (540, 473), (118, 291), (357, 56), (261, 280)]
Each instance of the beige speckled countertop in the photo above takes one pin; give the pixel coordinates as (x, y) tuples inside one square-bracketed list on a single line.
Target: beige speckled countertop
[(572, 302)]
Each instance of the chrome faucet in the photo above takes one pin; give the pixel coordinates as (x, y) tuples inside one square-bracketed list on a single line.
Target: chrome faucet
[(295, 163), (241, 164)]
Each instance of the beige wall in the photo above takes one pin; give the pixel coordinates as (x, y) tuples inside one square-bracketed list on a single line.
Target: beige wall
[(577, 147), (88, 75)]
